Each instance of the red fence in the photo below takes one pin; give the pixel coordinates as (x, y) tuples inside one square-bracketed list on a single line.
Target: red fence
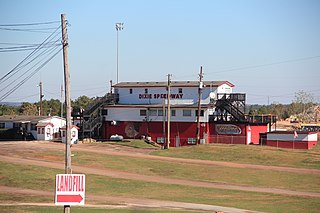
[(227, 139)]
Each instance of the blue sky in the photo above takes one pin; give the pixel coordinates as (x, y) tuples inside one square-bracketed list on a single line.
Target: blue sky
[(270, 49)]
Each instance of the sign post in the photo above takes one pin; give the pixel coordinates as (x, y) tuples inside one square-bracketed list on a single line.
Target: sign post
[(70, 189)]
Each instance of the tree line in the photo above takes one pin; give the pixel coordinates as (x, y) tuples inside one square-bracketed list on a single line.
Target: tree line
[(300, 108), (49, 107)]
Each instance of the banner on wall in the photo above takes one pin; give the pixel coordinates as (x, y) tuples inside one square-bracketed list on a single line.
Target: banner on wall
[(228, 129)]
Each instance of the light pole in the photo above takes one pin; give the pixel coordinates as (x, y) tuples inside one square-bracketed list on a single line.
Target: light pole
[(119, 27)]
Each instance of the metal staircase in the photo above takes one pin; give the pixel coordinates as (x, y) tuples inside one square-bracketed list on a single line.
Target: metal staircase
[(93, 116), (230, 107)]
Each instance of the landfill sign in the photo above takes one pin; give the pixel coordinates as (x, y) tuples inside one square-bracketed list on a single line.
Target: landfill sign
[(70, 189)]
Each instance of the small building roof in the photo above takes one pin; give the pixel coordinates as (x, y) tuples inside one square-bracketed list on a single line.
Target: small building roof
[(24, 118), (40, 124), (173, 84), (73, 126), (21, 118)]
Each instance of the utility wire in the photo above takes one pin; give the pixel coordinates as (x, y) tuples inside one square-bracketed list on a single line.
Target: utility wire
[(47, 53), (39, 30), (28, 24), (26, 48), (258, 66), (41, 54), (26, 58), (28, 77)]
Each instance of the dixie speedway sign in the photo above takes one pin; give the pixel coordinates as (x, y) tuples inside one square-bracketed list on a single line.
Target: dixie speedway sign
[(70, 189)]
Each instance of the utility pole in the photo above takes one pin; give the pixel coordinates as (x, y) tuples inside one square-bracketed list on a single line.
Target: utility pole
[(41, 96), (168, 112), (199, 105), (68, 169), (61, 100), (110, 86)]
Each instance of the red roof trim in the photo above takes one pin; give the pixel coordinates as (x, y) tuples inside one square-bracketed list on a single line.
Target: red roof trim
[(44, 124)]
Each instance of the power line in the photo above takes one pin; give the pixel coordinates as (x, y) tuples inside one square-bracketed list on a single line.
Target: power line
[(29, 24), (26, 47), (260, 65), (47, 52), (12, 72), (33, 30), (28, 77)]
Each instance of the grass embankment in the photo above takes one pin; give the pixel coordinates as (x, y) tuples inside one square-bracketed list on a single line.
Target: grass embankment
[(261, 155)]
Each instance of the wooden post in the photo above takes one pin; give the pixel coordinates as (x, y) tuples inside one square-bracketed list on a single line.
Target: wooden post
[(41, 96), (199, 105), (168, 112), (68, 169)]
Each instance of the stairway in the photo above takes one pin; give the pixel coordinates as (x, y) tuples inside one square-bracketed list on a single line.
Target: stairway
[(230, 107), (93, 118)]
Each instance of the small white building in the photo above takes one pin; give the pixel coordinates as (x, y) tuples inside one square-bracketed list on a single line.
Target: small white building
[(40, 127), (74, 134), (49, 128)]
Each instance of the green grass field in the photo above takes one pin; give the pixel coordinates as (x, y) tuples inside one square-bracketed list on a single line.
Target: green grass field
[(33, 177), (252, 154)]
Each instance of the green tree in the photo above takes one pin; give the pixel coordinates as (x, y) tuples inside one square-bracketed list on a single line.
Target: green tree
[(300, 104), (279, 110), (28, 109), (51, 107), (6, 109), (82, 102)]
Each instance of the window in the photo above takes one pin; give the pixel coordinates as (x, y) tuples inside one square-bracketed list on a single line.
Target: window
[(161, 140), (201, 113), (33, 126), (2, 125), (146, 91), (192, 141), (39, 130), (42, 130), (180, 90), (16, 125), (173, 112), (152, 112), (130, 91), (186, 112), (160, 112), (104, 112), (143, 112)]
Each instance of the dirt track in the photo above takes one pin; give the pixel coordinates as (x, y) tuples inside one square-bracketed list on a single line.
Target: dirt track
[(9, 152)]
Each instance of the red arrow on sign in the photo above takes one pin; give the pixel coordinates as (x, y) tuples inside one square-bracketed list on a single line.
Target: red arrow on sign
[(69, 198)]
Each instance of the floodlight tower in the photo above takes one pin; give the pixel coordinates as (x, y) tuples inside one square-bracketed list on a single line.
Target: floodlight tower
[(119, 27)]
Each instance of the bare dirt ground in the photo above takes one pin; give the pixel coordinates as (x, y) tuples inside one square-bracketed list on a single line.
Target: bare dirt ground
[(11, 152)]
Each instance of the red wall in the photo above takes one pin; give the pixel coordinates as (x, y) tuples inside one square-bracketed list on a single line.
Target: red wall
[(255, 132), (215, 137), (292, 145), (184, 130)]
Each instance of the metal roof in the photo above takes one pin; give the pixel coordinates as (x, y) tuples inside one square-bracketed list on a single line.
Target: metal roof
[(173, 84), (22, 118)]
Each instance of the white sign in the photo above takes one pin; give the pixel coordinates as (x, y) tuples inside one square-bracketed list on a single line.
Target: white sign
[(70, 189)]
